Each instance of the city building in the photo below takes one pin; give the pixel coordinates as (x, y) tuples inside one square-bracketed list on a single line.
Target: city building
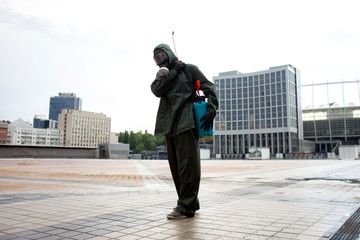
[(4, 131), (114, 150), (328, 127), (332, 118), (63, 101), (21, 132), (259, 109), (84, 129), (40, 121)]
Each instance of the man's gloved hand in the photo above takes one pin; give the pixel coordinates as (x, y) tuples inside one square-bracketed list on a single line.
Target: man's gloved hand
[(208, 121), (179, 65), (163, 71)]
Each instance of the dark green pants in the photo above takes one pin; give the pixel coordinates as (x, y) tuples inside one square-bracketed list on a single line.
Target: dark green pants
[(184, 160)]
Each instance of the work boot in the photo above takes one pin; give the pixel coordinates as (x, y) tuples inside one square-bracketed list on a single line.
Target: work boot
[(176, 215)]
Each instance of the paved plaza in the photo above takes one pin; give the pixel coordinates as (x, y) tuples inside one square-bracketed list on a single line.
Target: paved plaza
[(129, 199)]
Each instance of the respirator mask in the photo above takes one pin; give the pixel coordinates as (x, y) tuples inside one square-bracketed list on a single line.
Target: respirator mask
[(161, 60)]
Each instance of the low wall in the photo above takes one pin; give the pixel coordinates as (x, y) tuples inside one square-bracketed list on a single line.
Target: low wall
[(26, 151)]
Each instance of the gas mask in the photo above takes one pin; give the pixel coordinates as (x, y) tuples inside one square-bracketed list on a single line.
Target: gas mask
[(161, 58)]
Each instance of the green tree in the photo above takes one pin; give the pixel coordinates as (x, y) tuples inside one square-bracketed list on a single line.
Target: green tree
[(126, 137), (141, 141), (121, 137), (132, 140), (139, 147)]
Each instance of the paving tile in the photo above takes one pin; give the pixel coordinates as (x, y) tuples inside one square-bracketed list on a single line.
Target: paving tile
[(69, 234), (37, 235), (82, 236), (239, 199), (53, 237), (99, 232), (285, 235)]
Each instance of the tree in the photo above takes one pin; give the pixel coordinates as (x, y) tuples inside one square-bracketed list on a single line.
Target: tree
[(132, 140), (121, 137), (126, 137), (139, 148), (141, 141)]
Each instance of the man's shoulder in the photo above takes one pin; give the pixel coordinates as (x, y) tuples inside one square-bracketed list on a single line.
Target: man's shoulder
[(191, 67)]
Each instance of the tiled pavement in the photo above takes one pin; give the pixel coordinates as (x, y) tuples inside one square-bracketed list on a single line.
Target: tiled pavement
[(129, 199)]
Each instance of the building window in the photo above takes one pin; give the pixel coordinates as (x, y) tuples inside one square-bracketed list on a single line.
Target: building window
[(233, 82), (239, 92), (245, 82), (256, 80), (274, 123), (222, 84), (239, 83), (227, 83), (239, 104), (272, 77), (233, 93)]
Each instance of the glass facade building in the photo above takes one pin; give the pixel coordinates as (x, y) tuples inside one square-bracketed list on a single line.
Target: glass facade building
[(260, 109), (63, 101), (331, 116), (327, 127)]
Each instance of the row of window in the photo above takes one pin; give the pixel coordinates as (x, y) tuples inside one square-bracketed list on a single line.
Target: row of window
[(258, 113), (89, 131), (38, 141), (91, 123), (29, 137), (256, 124), (335, 127), (279, 142), (252, 103), (254, 91), (37, 133), (256, 80)]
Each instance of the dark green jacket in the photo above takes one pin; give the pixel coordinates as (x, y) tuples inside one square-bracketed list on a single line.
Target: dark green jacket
[(175, 113)]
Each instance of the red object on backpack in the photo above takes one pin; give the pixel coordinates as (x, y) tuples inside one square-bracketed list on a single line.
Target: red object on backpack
[(197, 85)]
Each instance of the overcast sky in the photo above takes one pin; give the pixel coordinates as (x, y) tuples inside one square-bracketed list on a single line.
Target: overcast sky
[(102, 50)]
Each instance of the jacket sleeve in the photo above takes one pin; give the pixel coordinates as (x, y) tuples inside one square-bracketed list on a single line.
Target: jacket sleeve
[(161, 85), (208, 88)]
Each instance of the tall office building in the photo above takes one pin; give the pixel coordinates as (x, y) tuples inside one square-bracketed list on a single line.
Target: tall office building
[(260, 109), (84, 129), (63, 101)]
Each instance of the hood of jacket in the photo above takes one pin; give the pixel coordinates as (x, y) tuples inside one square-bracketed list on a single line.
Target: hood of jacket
[(168, 51)]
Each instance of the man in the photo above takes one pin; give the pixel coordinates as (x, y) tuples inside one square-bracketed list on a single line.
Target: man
[(174, 84)]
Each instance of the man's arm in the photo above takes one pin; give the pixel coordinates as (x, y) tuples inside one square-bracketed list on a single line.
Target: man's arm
[(162, 84)]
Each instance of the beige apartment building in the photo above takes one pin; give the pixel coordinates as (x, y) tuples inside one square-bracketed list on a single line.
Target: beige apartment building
[(84, 129)]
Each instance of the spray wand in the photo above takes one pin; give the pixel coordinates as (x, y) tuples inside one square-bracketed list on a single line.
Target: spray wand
[(174, 43)]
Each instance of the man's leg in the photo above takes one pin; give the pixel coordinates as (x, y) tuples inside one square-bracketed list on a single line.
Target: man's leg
[(188, 166), (173, 163)]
